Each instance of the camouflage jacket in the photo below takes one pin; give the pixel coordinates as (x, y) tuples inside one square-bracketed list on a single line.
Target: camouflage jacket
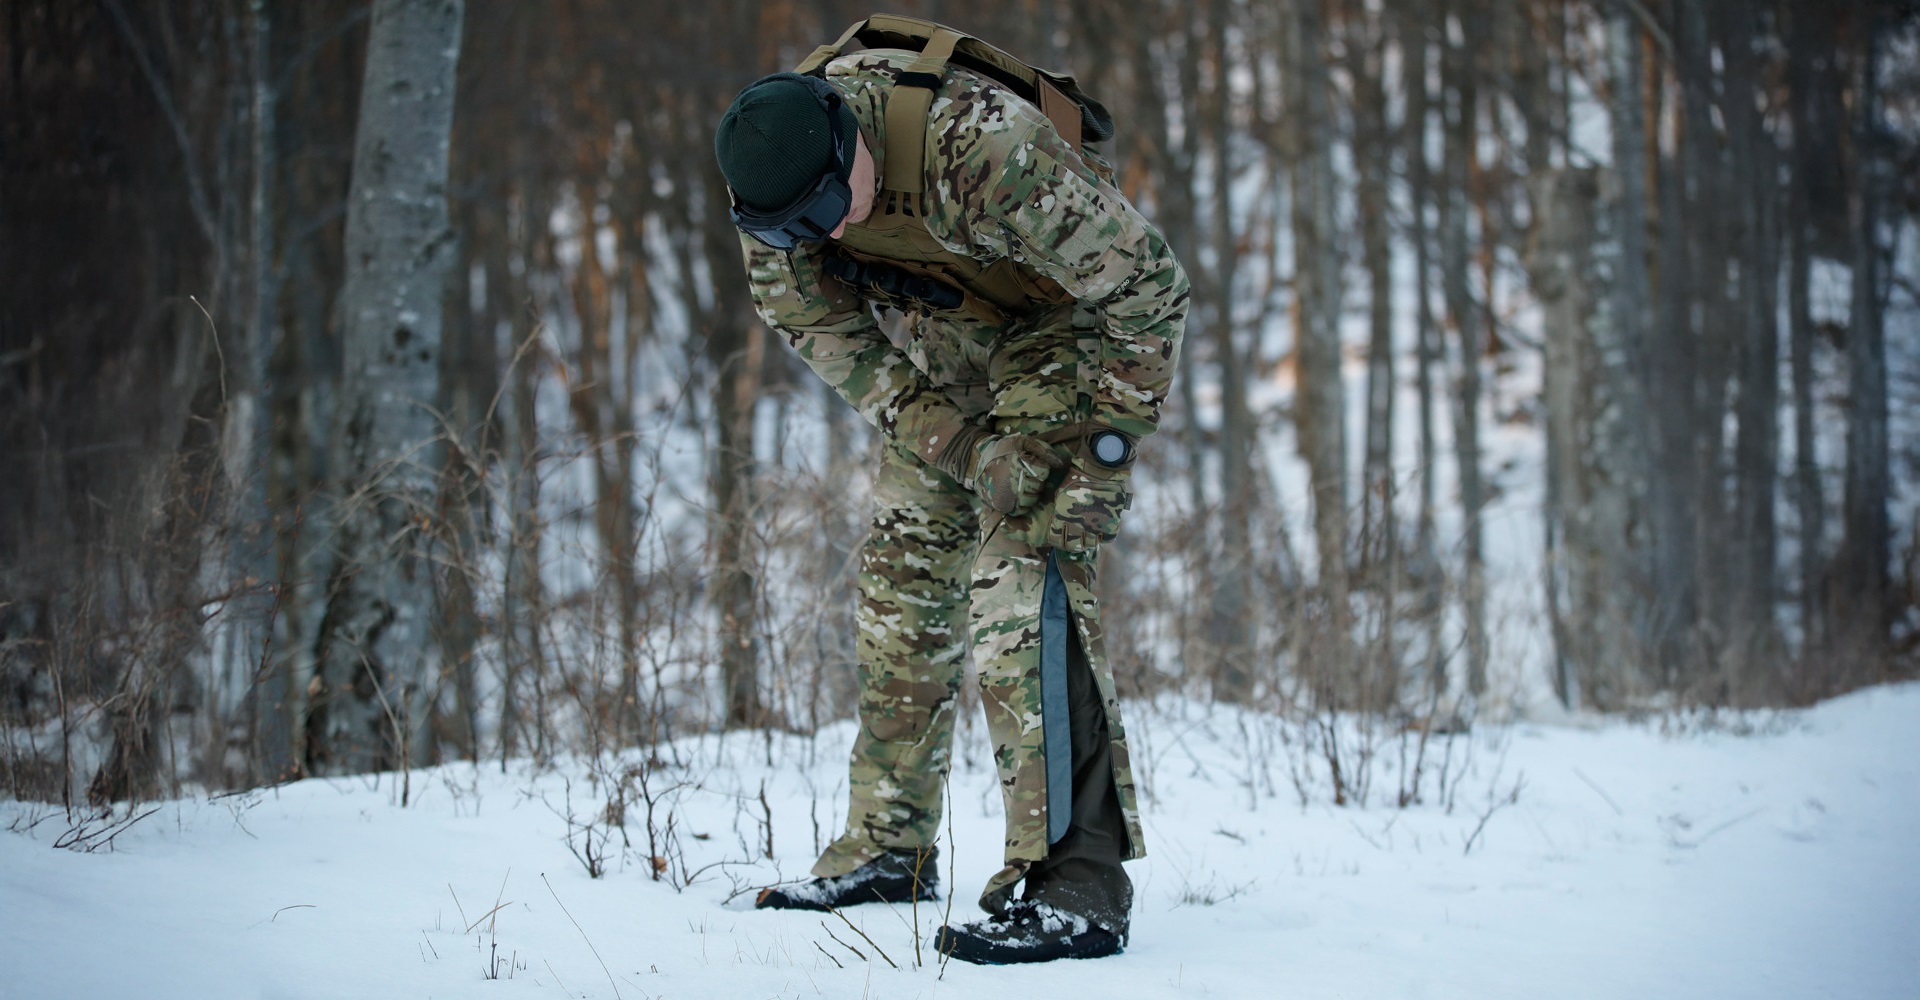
[(1001, 183)]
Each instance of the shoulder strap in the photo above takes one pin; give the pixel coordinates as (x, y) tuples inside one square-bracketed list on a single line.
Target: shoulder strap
[(907, 109), (812, 63), (1077, 117)]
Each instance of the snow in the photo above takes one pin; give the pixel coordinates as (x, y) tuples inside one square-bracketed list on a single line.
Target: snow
[(1738, 856)]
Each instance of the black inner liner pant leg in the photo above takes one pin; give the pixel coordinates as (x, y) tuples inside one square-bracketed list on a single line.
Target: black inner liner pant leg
[(1082, 872)]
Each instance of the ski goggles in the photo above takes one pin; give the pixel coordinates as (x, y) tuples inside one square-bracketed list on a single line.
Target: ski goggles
[(815, 214)]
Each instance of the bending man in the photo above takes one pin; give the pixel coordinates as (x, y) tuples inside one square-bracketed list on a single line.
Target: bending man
[(1046, 315)]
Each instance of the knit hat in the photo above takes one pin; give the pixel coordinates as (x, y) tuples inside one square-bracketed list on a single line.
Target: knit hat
[(776, 141)]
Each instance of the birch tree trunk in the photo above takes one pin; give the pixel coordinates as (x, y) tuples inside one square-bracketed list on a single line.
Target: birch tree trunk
[(377, 650)]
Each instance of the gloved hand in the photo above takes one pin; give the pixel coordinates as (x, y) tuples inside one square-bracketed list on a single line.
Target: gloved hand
[(1084, 511), (1008, 471), (1012, 471)]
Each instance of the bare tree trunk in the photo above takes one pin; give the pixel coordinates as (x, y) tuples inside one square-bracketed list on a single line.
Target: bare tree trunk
[(622, 533), (250, 418), (1557, 274), (524, 602), (1167, 165), (1755, 171), (730, 337), (1320, 406), (1595, 558), (1379, 528), (1458, 71), (602, 409), (318, 109), (1230, 626), (1861, 573), (467, 385), (1633, 320), (1809, 501), (377, 639), (1414, 35), (1701, 337)]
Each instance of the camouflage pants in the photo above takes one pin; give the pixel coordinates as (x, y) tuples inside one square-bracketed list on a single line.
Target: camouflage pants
[(936, 584)]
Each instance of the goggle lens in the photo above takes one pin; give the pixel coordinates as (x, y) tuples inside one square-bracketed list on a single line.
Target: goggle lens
[(812, 218)]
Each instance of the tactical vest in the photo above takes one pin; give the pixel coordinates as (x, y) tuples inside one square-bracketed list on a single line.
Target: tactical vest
[(891, 257)]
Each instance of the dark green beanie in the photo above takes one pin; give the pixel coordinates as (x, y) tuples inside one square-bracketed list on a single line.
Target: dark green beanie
[(775, 142)]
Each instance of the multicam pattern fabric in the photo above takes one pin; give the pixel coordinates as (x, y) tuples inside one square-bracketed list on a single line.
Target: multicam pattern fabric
[(915, 572), (1083, 514), (1014, 471), (933, 585), (1008, 577), (1002, 184), (931, 589)]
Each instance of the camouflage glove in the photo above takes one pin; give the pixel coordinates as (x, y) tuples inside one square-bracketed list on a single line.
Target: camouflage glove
[(1008, 471), (1013, 472), (1085, 510)]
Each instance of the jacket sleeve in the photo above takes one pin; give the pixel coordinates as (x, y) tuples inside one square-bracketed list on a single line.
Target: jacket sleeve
[(834, 332), (1057, 215)]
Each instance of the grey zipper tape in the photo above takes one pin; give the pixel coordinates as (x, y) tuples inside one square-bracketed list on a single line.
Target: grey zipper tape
[(1055, 722)]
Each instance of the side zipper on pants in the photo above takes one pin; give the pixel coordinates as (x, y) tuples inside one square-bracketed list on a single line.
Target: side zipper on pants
[(1055, 720)]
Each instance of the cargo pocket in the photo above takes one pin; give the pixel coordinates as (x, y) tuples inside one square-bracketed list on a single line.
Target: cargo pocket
[(1036, 376)]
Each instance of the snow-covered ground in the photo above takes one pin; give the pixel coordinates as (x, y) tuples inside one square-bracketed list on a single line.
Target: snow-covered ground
[(1741, 857)]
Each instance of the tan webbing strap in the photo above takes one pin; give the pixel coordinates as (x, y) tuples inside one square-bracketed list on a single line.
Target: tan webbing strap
[(826, 52), (907, 109), (1060, 110)]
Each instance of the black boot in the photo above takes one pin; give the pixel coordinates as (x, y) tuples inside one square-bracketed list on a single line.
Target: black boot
[(1028, 931), (898, 876)]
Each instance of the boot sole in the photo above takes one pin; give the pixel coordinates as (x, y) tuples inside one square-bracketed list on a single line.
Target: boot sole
[(1093, 943), (777, 899)]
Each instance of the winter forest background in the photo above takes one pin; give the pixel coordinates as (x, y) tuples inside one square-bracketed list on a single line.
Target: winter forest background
[(1545, 357)]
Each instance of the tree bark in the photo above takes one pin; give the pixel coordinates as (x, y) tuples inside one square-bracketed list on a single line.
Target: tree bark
[(377, 640), (1861, 577), (524, 604), (730, 337), (1754, 639), (1809, 499), (1414, 34), (250, 438), (1458, 71), (1230, 626), (1321, 397), (1633, 322), (1379, 526)]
